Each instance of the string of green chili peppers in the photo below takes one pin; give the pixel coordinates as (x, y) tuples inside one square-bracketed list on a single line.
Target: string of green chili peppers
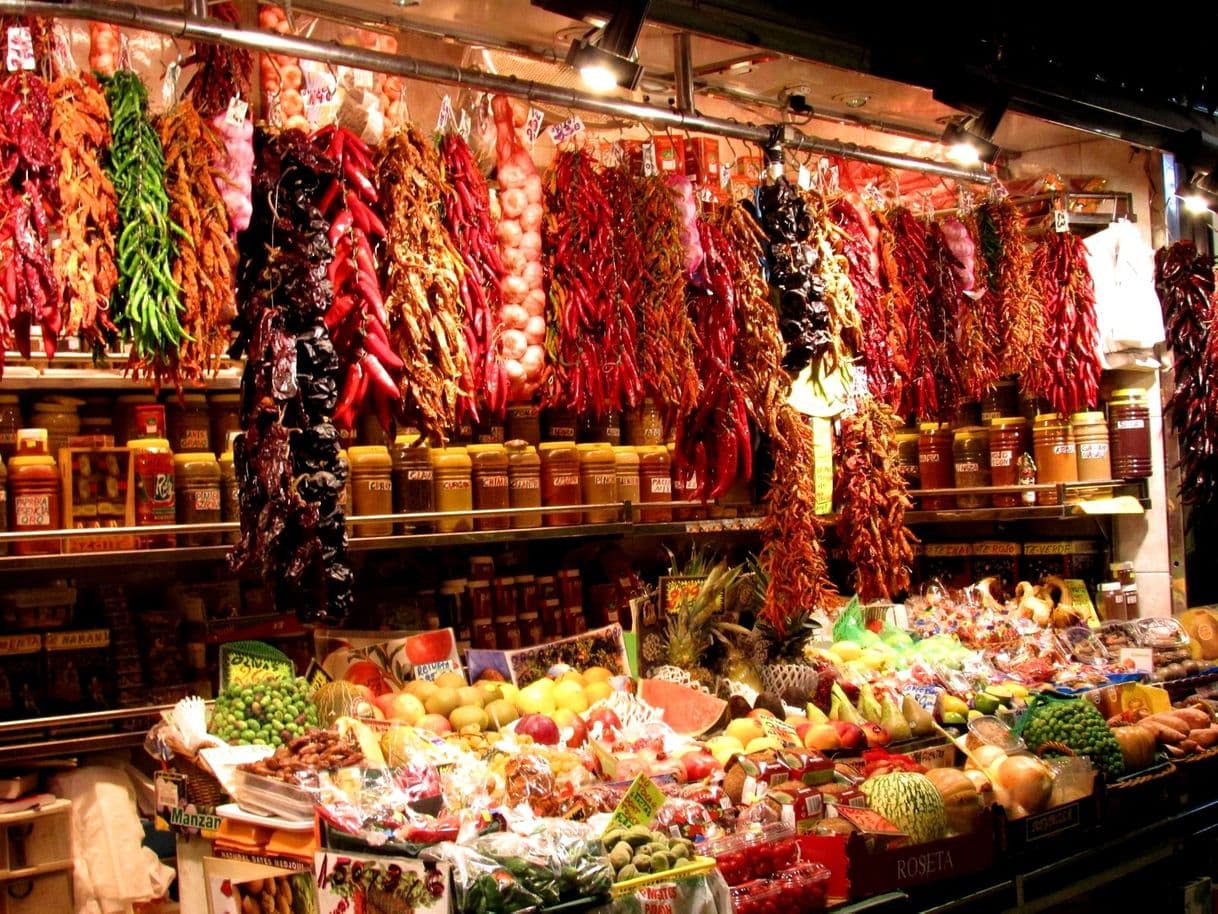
[(147, 305)]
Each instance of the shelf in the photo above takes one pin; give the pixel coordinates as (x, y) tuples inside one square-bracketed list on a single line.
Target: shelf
[(61, 736), (28, 872), (76, 371), (995, 515)]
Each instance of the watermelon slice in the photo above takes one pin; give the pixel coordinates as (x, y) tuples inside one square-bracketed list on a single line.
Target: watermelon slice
[(689, 711)]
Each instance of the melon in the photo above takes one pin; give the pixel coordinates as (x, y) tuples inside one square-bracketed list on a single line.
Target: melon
[(689, 711), (341, 699), (910, 802)]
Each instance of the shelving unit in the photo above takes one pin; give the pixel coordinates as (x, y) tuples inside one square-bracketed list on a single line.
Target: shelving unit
[(77, 371)]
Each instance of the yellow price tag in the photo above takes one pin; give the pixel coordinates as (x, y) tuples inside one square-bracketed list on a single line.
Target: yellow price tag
[(780, 730), (822, 449), (638, 806)]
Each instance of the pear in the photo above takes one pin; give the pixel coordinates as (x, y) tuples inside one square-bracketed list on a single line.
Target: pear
[(816, 715), (868, 706), (920, 721), (893, 720), (845, 710)]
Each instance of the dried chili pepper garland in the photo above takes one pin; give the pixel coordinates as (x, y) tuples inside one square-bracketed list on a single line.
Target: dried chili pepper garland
[(422, 284), (467, 216), (940, 349), (206, 256), (289, 473), (28, 197), (839, 296), (85, 256), (905, 265), (1184, 280), (221, 72), (591, 340), (871, 497), (1005, 264), (1068, 373), (853, 242)]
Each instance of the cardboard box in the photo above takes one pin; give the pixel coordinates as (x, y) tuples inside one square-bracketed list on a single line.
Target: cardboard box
[(96, 488)]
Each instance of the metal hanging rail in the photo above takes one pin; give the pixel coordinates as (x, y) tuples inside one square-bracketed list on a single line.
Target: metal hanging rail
[(194, 28)]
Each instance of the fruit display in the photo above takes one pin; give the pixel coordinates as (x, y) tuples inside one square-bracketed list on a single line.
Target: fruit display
[(263, 714), (1079, 727), (909, 801), (638, 851)]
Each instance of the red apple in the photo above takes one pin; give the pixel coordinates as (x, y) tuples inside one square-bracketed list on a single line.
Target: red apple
[(851, 736), (876, 735), (385, 702), (541, 728), (609, 721), (801, 730), (699, 765)]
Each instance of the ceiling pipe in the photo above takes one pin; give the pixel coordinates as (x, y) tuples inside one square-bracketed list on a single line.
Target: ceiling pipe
[(683, 71), (192, 28)]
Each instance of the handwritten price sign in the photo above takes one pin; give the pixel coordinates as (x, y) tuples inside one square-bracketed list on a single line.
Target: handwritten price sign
[(567, 129)]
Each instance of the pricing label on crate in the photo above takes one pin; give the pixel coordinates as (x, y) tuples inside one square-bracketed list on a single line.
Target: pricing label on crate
[(20, 49), (446, 114), (780, 730), (1061, 221), (237, 109), (570, 127), (532, 126), (638, 806)]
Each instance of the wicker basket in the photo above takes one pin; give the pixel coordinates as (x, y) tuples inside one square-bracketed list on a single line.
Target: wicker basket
[(202, 788), (1142, 797), (778, 677), (1198, 775)]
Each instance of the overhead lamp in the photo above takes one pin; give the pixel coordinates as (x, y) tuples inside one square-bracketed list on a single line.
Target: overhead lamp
[(970, 141), (1195, 203), (607, 60)]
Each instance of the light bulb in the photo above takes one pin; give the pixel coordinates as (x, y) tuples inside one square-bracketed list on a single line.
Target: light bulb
[(963, 153), (598, 78), (1195, 204)]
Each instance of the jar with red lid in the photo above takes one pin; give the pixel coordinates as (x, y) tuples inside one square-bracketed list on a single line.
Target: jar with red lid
[(34, 493), (560, 484), (936, 468), (1008, 442), (655, 483)]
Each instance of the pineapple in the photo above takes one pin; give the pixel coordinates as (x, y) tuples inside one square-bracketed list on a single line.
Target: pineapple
[(694, 625)]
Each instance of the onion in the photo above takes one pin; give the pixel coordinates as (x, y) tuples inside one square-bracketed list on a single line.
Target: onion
[(530, 219), (535, 303), (532, 274), (515, 371), (514, 317), (535, 329), (1026, 780), (514, 344), (532, 188), (514, 289), (530, 243), (532, 359), (512, 174), (513, 202), (509, 233)]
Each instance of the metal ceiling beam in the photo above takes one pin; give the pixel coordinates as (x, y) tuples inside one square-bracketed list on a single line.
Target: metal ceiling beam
[(192, 28)]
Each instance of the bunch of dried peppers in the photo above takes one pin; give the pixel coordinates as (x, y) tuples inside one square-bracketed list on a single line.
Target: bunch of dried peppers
[(854, 242), (1006, 272)]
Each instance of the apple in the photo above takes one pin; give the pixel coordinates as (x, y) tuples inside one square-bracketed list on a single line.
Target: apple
[(699, 765), (610, 723), (406, 708), (850, 735), (801, 730), (822, 737), (569, 720), (385, 702), (540, 727), (436, 723), (875, 735)]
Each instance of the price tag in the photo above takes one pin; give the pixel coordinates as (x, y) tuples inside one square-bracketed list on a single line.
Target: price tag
[(20, 48), (532, 126), (237, 109), (318, 92), (1137, 659), (638, 806), (1061, 221), (567, 129), (725, 175), (780, 730), (822, 450), (804, 178), (650, 165), (363, 79), (446, 114), (464, 124)]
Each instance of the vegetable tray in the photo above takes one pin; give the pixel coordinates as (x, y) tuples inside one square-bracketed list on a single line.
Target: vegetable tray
[(696, 867)]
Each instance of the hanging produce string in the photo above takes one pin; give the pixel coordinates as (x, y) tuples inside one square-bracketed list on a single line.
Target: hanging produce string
[(1007, 266), (856, 241)]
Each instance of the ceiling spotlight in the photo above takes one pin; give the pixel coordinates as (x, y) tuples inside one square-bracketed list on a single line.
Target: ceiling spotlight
[(970, 140), (1195, 203), (853, 99), (607, 61)]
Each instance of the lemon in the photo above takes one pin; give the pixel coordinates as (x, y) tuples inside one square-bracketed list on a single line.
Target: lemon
[(572, 676), (597, 674), (536, 699), (569, 694), (847, 650)]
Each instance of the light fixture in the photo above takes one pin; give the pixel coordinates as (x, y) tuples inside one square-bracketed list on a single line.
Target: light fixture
[(607, 61), (1195, 203), (970, 140), (853, 99)]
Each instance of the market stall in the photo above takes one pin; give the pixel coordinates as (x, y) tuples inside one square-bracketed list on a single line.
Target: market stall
[(458, 492)]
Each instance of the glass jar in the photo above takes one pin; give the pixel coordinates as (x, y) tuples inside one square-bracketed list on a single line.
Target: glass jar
[(547, 587), (907, 456), (481, 568), (558, 425), (971, 460), (59, 416), (155, 502), (189, 423), (655, 483), (196, 479), (371, 484), (560, 481), (644, 425), (1112, 602), (230, 503), (491, 490), (1008, 442), (551, 618), (685, 486), (935, 466), (598, 481), (1091, 443), (489, 432), (1055, 454), (626, 461), (452, 474), (124, 416), (607, 429), (10, 423), (34, 497), (570, 588), (225, 417), (413, 484), (968, 414), (524, 482), (524, 423), (507, 613), (531, 633), (1129, 434), (526, 593), (1001, 401), (482, 613)]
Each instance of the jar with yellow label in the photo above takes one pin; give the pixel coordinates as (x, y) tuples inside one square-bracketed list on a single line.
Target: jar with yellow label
[(655, 483), (413, 485), (491, 489), (598, 481), (189, 423), (1055, 452), (626, 460), (524, 482), (560, 484), (371, 483), (196, 479), (452, 475)]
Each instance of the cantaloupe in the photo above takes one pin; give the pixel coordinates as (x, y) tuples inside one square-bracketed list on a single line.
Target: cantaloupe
[(341, 699)]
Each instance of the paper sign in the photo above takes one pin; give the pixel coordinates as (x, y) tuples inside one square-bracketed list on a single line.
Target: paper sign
[(363, 79), (1138, 659), (446, 114), (567, 129), (822, 448), (1061, 221), (463, 125), (532, 126), (20, 49), (780, 730), (638, 806), (725, 176), (804, 179), (237, 109), (650, 166)]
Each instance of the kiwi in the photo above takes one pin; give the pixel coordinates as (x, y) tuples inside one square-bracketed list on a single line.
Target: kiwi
[(661, 862), (621, 855), (738, 706), (768, 701), (627, 872), (642, 863)]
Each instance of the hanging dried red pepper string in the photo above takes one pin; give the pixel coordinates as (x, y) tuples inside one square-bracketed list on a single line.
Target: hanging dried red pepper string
[(978, 332), (222, 72), (1067, 374), (853, 242), (905, 269), (1006, 270), (940, 350)]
